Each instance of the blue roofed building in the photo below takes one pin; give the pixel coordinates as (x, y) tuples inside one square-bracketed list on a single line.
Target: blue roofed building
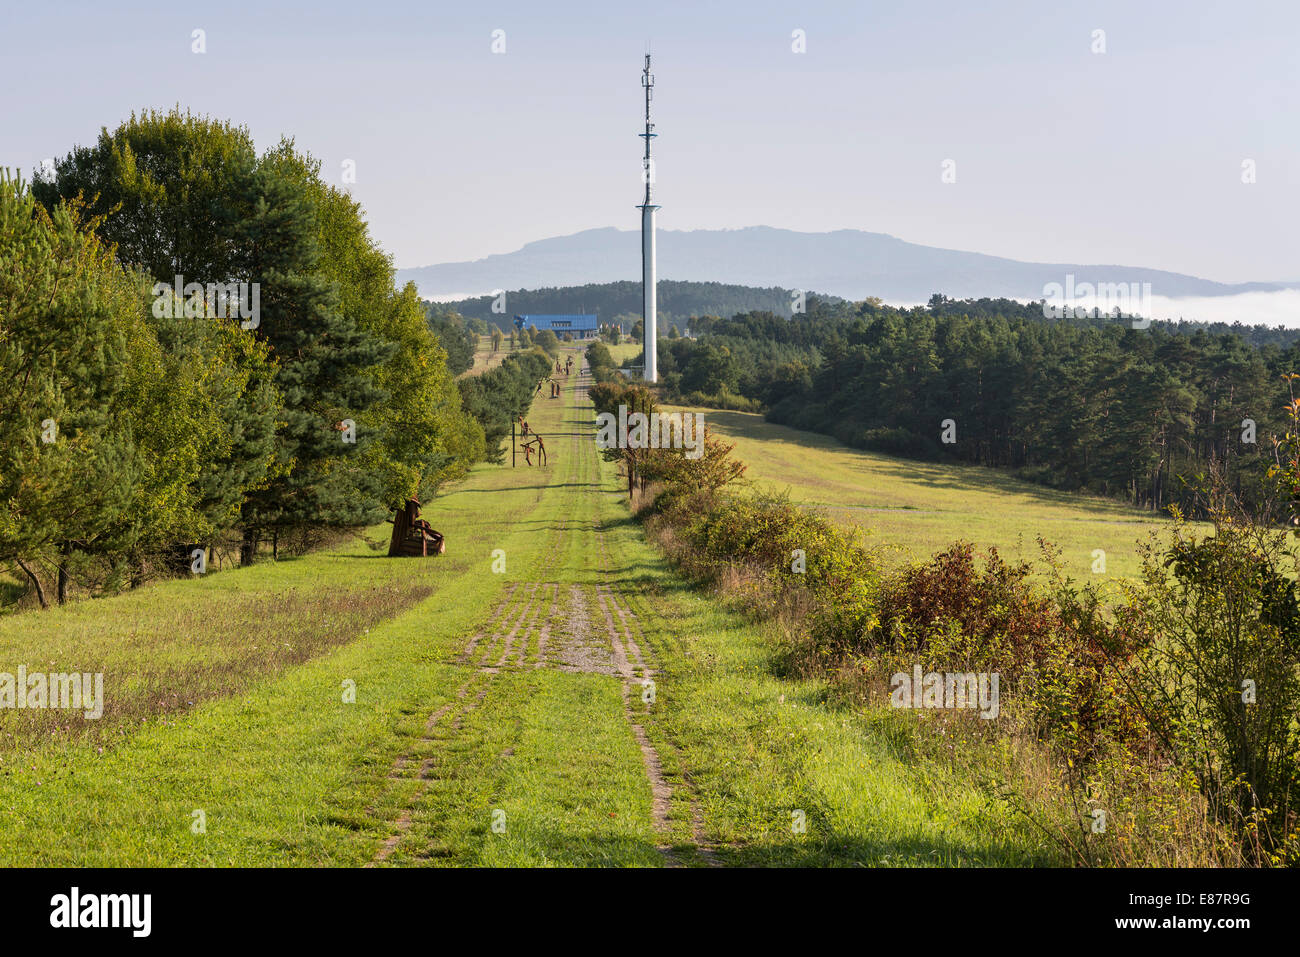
[(580, 326)]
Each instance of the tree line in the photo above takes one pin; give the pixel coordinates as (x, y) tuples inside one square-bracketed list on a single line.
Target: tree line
[(1087, 403), (201, 343), (621, 302), (501, 395), (458, 335)]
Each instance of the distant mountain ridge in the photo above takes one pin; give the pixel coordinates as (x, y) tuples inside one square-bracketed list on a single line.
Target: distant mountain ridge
[(850, 263)]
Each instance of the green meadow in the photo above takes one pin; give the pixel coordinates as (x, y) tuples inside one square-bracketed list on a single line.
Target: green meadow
[(913, 509)]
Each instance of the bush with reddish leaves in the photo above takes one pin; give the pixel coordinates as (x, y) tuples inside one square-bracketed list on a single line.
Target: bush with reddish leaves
[(1056, 649), (1002, 621)]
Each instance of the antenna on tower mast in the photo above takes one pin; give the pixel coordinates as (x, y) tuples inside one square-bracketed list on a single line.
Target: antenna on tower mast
[(648, 82), (649, 325)]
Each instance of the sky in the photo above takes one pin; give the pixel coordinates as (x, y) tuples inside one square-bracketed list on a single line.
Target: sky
[(1061, 152)]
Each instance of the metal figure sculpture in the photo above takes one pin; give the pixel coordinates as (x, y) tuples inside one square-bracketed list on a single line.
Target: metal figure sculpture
[(413, 537)]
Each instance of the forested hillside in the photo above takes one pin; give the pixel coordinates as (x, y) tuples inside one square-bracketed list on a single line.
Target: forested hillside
[(678, 302), (1088, 403)]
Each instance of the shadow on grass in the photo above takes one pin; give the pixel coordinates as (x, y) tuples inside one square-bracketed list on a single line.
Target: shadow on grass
[(860, 852)]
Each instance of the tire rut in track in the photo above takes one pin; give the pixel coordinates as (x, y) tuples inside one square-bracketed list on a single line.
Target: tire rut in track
[(631, 642), (707, 850), (403, 822)]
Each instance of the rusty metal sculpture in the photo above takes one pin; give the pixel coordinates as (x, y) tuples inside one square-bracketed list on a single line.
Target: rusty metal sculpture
[(535, 444), (413, 537)]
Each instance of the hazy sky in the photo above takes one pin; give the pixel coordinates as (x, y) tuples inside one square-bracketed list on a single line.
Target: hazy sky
[(1130, 156)]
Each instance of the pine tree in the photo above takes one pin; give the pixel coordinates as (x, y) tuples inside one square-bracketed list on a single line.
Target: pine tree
[(322, 359), (69, 469), (421, 436), (170, 191)]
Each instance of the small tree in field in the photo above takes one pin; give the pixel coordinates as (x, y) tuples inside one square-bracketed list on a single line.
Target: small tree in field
[(608, 397), (680, 475), (708, 473), (548, 341)]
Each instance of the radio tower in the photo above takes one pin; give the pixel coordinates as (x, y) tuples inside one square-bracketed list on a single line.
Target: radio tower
[(649, 325)]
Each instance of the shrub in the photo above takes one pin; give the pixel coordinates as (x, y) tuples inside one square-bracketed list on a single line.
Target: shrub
[(796, 565), (723, 399), (1221, 682), (1056, 649), (601, 362)]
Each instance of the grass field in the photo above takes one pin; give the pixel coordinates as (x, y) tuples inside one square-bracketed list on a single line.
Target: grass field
[(625, 351), (485, 358), (577, 705), (916, 508)]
